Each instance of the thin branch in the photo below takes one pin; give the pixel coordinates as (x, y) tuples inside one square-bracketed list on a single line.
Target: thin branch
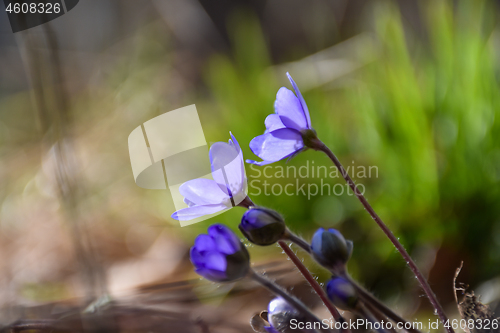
[(312, 281)]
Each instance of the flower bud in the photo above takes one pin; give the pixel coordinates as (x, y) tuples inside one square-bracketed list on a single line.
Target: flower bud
[(342, 293), (280, 315), (220, 256), (262, 226), (330, 248)]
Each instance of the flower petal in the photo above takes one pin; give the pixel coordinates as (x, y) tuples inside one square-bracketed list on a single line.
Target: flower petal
[(317, 240), (273, 122), (228, 169), (190, 213), (202, 191), (189, 203), (239, 193), (276, 145), (234, 142), (225, 239), (259, 163), (196, 258), (288, 107), (204, 243), (215, 261), (302, 101)]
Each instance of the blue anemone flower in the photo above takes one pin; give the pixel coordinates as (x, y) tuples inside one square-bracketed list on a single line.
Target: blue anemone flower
[(284, 129), (227, 189), (219, 256)]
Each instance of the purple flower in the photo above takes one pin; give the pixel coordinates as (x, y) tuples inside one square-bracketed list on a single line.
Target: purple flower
[(285, 129), (227, 189), (342, 293), (219, 256)]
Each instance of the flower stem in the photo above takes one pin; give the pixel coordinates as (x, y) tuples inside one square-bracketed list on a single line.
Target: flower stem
[(373, 302), (379, 316), (299, 241), (319, 145), (312, 281), (280, 291), (246, 203), (365, 312)]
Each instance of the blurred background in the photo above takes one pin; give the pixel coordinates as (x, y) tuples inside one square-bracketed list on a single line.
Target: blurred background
[(410, 87)]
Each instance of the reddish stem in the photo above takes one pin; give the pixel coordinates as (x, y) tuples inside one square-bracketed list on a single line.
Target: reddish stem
[(312, 281)]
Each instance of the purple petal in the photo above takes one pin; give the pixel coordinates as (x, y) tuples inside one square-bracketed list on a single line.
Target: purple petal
[(234, 142), (238, 189), (196, 258), (288, 107), (276, 145), (204, 243), (211, 265), (273, 122), (302, 101), (190, 213), (225, 239), (189, 203), (259, 163), (317, 240), (202, 191), (215, 261), (228, 169)]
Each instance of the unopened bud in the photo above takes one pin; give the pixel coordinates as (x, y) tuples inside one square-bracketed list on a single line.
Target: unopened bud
[(342, 293), (262, 226), (330, 248)]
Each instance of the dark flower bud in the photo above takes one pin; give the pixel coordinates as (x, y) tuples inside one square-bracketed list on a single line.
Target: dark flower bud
[(220, 256), (342, 293), (262, 226), (330, 248)]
